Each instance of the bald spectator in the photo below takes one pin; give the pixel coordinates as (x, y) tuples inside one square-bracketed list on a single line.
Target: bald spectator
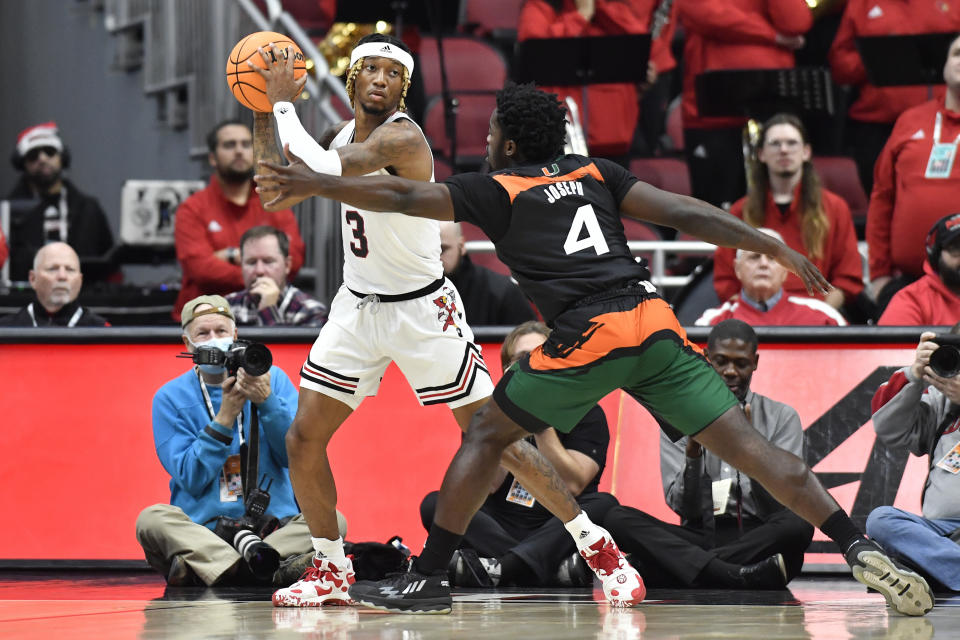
[(762, 300), (489, 298), (916, 182), (934, 299), (55, 279)]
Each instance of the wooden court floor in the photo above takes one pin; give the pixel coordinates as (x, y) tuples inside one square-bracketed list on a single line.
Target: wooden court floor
[(107, 605)]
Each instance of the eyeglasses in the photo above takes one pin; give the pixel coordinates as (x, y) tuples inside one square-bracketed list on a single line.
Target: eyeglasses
[(33, 154)]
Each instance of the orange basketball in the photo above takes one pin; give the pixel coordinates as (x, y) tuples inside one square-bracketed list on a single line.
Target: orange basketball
[(246, 84)]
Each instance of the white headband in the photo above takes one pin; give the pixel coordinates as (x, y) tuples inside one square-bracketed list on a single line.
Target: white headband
[(383, 50)]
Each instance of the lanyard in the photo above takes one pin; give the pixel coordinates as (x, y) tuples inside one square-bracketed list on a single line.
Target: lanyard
[(282, 307), (206, 399), (937, 126), (73, 319)]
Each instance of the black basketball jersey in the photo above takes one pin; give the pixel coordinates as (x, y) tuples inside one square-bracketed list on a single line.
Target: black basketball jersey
[(556, 226)]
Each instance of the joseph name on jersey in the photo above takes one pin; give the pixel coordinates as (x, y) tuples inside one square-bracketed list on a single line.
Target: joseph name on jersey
[(559, 189), (557, 227), (387, 253)]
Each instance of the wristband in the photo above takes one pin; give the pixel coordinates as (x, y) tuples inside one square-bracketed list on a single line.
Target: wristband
[(302, 144)]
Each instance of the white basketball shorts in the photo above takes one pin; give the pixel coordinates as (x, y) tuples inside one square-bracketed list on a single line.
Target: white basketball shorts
[(427, 337)]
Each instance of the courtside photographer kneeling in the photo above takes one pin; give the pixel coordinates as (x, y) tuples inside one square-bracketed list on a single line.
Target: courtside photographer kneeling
[(219, 430)]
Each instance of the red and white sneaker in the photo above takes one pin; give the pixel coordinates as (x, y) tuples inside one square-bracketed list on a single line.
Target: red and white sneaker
[(323, 584), (622, 585)]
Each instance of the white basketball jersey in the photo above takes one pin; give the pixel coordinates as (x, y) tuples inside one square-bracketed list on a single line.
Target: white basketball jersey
[(387, 253)]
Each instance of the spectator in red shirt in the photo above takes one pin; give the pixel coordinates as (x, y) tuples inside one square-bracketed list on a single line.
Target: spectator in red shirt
[(762, 300), (211, 221), (612, 109), (875, 109), (934, 299), (736, 34), (786, 196), (915, 183)]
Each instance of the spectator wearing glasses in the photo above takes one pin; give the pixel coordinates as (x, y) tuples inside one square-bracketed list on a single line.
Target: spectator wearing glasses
[(62, 212)]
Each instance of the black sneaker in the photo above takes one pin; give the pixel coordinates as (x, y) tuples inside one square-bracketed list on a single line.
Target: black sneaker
[(574, 572), (769, 573), (466, 569), (905, 591), (409, 592)]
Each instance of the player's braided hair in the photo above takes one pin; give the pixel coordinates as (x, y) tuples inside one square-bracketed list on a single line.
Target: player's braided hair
[(534, 119), (355, 69)]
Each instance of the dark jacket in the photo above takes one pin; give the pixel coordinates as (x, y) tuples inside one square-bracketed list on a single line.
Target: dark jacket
[(489, 298), (61, 318), (88, 231)]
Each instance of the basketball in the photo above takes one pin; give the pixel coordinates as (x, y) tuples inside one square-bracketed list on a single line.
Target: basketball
[(247, 85)]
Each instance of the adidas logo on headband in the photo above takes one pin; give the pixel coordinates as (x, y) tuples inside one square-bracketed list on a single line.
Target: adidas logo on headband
[(386, 49)]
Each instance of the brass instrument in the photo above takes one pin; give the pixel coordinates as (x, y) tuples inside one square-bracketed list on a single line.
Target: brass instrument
[(342, 38)]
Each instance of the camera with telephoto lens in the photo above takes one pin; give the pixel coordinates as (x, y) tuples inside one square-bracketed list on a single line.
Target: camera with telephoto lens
[(252, 357), (945, 361), (247, 532)]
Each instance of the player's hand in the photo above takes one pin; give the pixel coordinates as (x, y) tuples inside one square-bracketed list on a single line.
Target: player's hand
[(288, 185), (267, 289), (798, 264), (232, 403), (278, 74), (924, 350), (256, 389)]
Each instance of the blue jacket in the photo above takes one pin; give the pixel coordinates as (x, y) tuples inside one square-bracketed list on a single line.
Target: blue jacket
[(194, 458)]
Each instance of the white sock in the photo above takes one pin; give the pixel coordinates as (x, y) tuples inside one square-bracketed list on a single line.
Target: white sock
[(330, 549), (584, 532)]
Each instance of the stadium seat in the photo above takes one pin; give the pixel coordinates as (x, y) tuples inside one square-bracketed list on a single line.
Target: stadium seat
[(494, 18), (839, 174), (669, 174), (472, 124), (472, 66), (441, 169)]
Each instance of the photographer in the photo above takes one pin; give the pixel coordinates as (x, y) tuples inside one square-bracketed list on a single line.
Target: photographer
[(919, 409), (202, 430)]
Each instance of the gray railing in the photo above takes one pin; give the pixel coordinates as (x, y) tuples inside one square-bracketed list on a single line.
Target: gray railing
[(657, 251)]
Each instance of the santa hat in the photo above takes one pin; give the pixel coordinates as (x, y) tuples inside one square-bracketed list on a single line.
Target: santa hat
[(40, 135)]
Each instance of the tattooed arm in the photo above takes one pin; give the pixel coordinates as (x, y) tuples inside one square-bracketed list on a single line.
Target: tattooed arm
[(398, 145)]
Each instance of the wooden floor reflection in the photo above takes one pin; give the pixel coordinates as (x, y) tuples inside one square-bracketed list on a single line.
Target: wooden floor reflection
[(107, 605)]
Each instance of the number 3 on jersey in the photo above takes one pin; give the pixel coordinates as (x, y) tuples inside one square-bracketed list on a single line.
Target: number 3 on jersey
[(585, 217), (359, 245)]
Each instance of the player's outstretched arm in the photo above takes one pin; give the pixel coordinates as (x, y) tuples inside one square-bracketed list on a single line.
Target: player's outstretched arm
[(704, 221), (297, 182)]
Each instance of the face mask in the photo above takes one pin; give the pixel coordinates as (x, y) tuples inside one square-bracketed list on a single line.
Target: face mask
[(220, 343)]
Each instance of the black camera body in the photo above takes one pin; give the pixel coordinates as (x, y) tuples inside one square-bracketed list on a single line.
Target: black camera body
[(945, 361), (252, 357)]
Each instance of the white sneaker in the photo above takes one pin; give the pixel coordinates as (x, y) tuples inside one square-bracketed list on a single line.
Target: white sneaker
[(322, 584), (622, 585)]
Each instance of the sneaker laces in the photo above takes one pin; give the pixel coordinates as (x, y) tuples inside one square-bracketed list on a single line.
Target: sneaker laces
[(606, 560)]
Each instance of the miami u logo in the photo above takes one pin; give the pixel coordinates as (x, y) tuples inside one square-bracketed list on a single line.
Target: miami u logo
[(552, 171)]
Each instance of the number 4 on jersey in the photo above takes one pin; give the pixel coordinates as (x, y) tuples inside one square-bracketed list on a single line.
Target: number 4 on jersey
[(585, 217)]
